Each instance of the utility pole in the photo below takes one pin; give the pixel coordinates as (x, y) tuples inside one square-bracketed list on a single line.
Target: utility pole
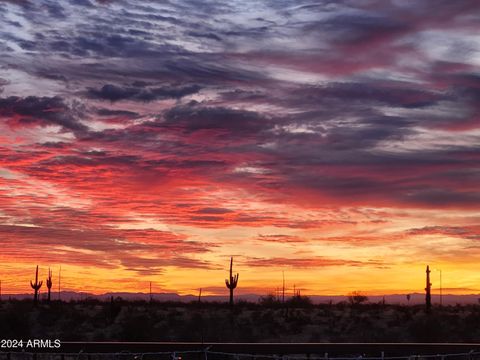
[(440, 288), (441, 295), (150, 291), (59, 276), (283, 288)]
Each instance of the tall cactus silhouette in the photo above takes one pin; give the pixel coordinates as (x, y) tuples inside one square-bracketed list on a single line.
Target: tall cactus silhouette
[(36, 286), (49, 283), (428, 297), (232, 282)]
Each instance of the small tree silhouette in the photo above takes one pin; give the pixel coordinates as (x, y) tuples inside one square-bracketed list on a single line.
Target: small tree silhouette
[(356, 298), (232, 282), (49, 284), (36, 286)]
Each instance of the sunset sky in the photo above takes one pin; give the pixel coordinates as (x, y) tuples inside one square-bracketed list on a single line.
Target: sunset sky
[(337, 141)]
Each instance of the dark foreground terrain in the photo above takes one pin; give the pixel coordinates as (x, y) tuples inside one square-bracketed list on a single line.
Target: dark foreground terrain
[(248, 322)]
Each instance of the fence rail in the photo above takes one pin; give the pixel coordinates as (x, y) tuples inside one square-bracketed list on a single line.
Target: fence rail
[(247, 351), (215, 355)]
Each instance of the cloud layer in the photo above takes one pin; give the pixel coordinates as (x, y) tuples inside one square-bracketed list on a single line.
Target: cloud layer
[(150, 139)]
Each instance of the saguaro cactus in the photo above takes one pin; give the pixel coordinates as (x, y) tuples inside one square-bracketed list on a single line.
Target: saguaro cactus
[(232, 282), (49, 283), (428, 297), (36, 286)]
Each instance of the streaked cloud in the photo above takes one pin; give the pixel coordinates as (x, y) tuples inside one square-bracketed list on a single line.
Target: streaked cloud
[(154, 139)]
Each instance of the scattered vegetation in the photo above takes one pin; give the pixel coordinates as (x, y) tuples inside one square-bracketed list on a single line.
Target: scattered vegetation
[(270, 320)]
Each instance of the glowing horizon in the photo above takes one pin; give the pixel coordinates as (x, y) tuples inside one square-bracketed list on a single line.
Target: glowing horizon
[(337, 142)]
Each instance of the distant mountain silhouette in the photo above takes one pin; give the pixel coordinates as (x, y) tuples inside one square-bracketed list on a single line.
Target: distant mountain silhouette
[(415, 298)]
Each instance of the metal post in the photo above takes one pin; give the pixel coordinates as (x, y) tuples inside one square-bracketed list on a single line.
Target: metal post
[(441, 288), (441, 299)]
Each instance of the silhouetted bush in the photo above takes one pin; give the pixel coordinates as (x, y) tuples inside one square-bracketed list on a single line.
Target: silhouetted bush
[(269, 300), (356, 298), (299, 301)]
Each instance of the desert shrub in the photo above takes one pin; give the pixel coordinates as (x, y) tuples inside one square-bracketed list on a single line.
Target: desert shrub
[(356, 298), (269, 300), (426, 328), (15, 325), (136, 327), (299, 301)]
